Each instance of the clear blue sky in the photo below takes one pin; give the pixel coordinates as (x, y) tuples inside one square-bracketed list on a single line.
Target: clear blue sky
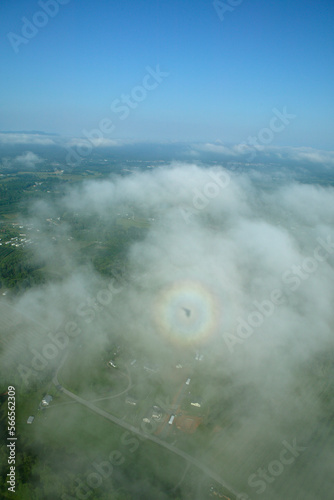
[(225, 77)]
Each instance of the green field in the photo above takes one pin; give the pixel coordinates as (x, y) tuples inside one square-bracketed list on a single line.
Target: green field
[(126, 223)]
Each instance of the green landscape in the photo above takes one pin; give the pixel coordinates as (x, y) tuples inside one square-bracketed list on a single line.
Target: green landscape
[(127, 404)]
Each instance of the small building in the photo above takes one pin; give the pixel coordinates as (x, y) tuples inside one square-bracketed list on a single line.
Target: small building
[(46, 400), (131, 401), (196, 402), (30, 419), (112, 364), (171, 420), (188, 381), (156, 414)]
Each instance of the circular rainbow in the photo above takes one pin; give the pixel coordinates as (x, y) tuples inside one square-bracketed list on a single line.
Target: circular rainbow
[(186, 312)]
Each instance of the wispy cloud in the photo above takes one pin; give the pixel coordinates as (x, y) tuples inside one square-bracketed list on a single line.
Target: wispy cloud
[(266, 153), (26, 138), (28, 160)]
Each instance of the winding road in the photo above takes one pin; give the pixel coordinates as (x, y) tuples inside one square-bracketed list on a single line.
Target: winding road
[(191, 460)]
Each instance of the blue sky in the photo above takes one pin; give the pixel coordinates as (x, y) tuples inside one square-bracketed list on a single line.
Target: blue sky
[(225, 76)]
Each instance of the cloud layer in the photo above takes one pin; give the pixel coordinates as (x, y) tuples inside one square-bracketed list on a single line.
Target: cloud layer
[(264, 256)]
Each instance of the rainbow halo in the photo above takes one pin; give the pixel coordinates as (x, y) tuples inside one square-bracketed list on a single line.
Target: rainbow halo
[(186, 312)]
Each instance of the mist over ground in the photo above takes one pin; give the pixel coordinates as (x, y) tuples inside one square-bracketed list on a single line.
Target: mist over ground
[(250, 259)]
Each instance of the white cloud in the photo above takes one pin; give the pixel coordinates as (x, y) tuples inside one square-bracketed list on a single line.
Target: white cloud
[(93, 142), (28, 160), (236, 250), (243, 150), (18, 138)]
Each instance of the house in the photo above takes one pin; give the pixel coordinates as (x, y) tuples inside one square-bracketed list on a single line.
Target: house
[(131, 401), (30, 419), (46, 400), (156, 413), (196, 402)]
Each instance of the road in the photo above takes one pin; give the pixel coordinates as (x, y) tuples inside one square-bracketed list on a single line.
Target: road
[(142, 434)]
